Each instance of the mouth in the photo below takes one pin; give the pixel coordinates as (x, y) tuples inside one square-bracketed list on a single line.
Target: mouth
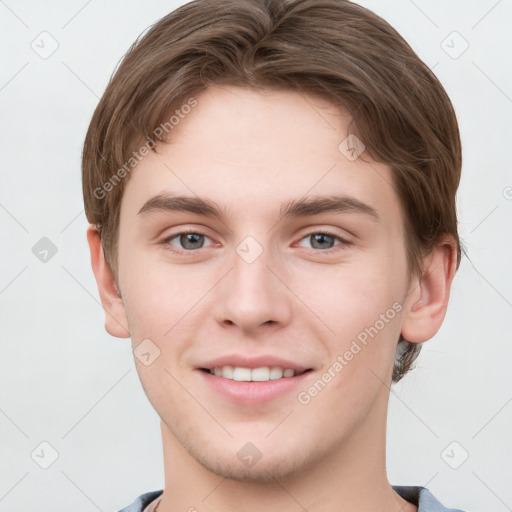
[(254, 387), (253, 380), (262, 374)]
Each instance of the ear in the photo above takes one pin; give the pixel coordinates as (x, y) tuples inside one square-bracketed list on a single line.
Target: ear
[(116, 323), (428, 296)]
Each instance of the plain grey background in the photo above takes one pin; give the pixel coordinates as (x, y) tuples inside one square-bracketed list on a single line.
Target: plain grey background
[(67, 383)]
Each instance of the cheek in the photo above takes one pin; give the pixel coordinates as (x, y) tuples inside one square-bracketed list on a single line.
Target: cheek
[(357, 295), (156, 296), (361, 357), (363, 307)]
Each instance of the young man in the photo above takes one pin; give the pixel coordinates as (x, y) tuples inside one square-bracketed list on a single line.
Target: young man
[(271, 191)]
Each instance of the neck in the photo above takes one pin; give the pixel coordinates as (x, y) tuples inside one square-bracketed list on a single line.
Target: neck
[(352, 478)]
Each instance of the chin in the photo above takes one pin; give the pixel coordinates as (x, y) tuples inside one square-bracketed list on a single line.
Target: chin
[(262, 472), (273, 465)]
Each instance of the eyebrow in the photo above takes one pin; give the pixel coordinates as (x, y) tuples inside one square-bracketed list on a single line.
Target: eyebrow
[(304, 207)]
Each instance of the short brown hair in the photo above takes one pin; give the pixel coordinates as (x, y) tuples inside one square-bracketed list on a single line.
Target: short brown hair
[(332, 48)]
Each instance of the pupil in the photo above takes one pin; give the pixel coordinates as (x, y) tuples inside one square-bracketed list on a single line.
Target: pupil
[(321, 238), (185, 240)]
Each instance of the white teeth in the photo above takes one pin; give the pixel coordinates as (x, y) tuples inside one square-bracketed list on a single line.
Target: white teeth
[(227, 372), (256, 374), (276, 373), (260, 374), (242, 374)]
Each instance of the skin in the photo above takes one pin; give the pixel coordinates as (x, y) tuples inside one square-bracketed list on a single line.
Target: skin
[(250, 152)]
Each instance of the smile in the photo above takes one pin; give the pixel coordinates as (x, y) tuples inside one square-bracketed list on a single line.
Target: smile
[(262, 374)]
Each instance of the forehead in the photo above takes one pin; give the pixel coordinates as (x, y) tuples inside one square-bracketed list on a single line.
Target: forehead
[(250, 151)]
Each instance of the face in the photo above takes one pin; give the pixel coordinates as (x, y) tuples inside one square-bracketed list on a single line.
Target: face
[(317, 290)]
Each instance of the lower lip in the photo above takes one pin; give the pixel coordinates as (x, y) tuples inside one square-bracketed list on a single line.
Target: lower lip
[(253, 393)]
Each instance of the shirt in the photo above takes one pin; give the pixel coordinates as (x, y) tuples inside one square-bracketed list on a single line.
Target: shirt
[(419, 496)]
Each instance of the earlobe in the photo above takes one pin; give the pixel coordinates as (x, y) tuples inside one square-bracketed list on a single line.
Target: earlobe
[(427, 301), (116, 323)]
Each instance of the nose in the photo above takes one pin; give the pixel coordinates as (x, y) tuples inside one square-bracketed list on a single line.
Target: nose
[(253, 294)]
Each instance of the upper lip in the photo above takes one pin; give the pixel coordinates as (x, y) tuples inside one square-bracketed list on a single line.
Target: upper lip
[(253, 362)]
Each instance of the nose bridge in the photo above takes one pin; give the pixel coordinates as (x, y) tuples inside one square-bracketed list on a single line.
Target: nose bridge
[(251, 294)]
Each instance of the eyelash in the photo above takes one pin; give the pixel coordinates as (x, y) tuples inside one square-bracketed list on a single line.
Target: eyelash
[(344, 243)]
